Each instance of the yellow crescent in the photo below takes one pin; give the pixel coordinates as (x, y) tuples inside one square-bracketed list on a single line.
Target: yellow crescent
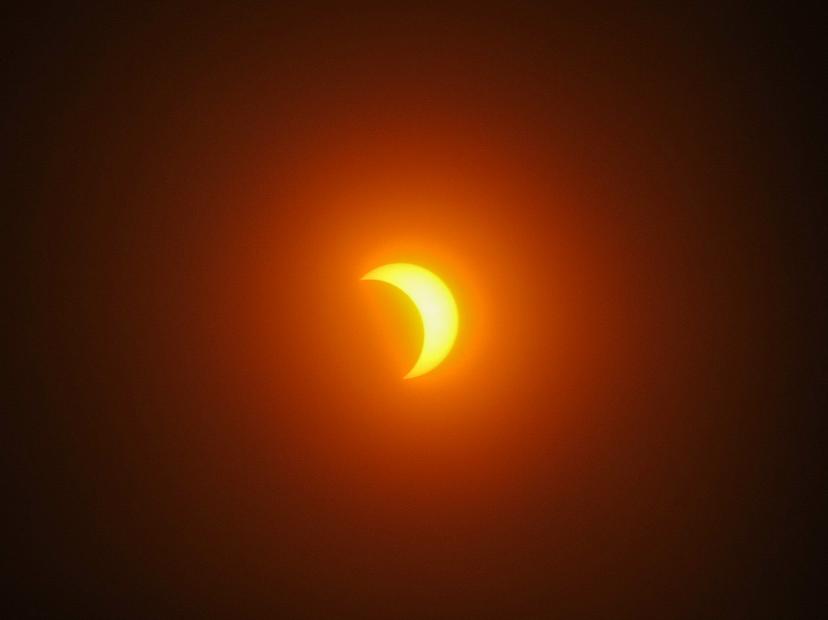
[(435, 304)]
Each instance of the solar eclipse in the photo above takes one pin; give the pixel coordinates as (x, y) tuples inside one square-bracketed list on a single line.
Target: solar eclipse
[(436, 307)]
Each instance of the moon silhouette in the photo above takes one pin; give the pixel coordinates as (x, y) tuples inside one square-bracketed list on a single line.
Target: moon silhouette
[(435, 304)]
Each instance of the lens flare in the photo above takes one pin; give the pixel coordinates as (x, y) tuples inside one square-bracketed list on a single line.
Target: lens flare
[(435, 304)]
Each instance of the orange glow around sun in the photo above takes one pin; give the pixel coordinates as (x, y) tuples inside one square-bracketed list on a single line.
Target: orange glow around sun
[(551, 259)]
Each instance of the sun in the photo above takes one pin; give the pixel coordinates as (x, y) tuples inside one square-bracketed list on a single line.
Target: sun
[(436, 306)]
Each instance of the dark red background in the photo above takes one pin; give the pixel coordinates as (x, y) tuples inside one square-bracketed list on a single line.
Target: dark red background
[(213, 420)]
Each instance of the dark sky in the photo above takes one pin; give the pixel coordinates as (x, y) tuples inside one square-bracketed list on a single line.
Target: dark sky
[(205, 412)]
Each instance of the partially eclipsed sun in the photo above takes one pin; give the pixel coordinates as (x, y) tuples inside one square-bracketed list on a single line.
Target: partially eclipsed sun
[(435, 304)]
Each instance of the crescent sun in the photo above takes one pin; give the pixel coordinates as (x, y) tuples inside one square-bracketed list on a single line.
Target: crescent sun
[(435, 304)]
